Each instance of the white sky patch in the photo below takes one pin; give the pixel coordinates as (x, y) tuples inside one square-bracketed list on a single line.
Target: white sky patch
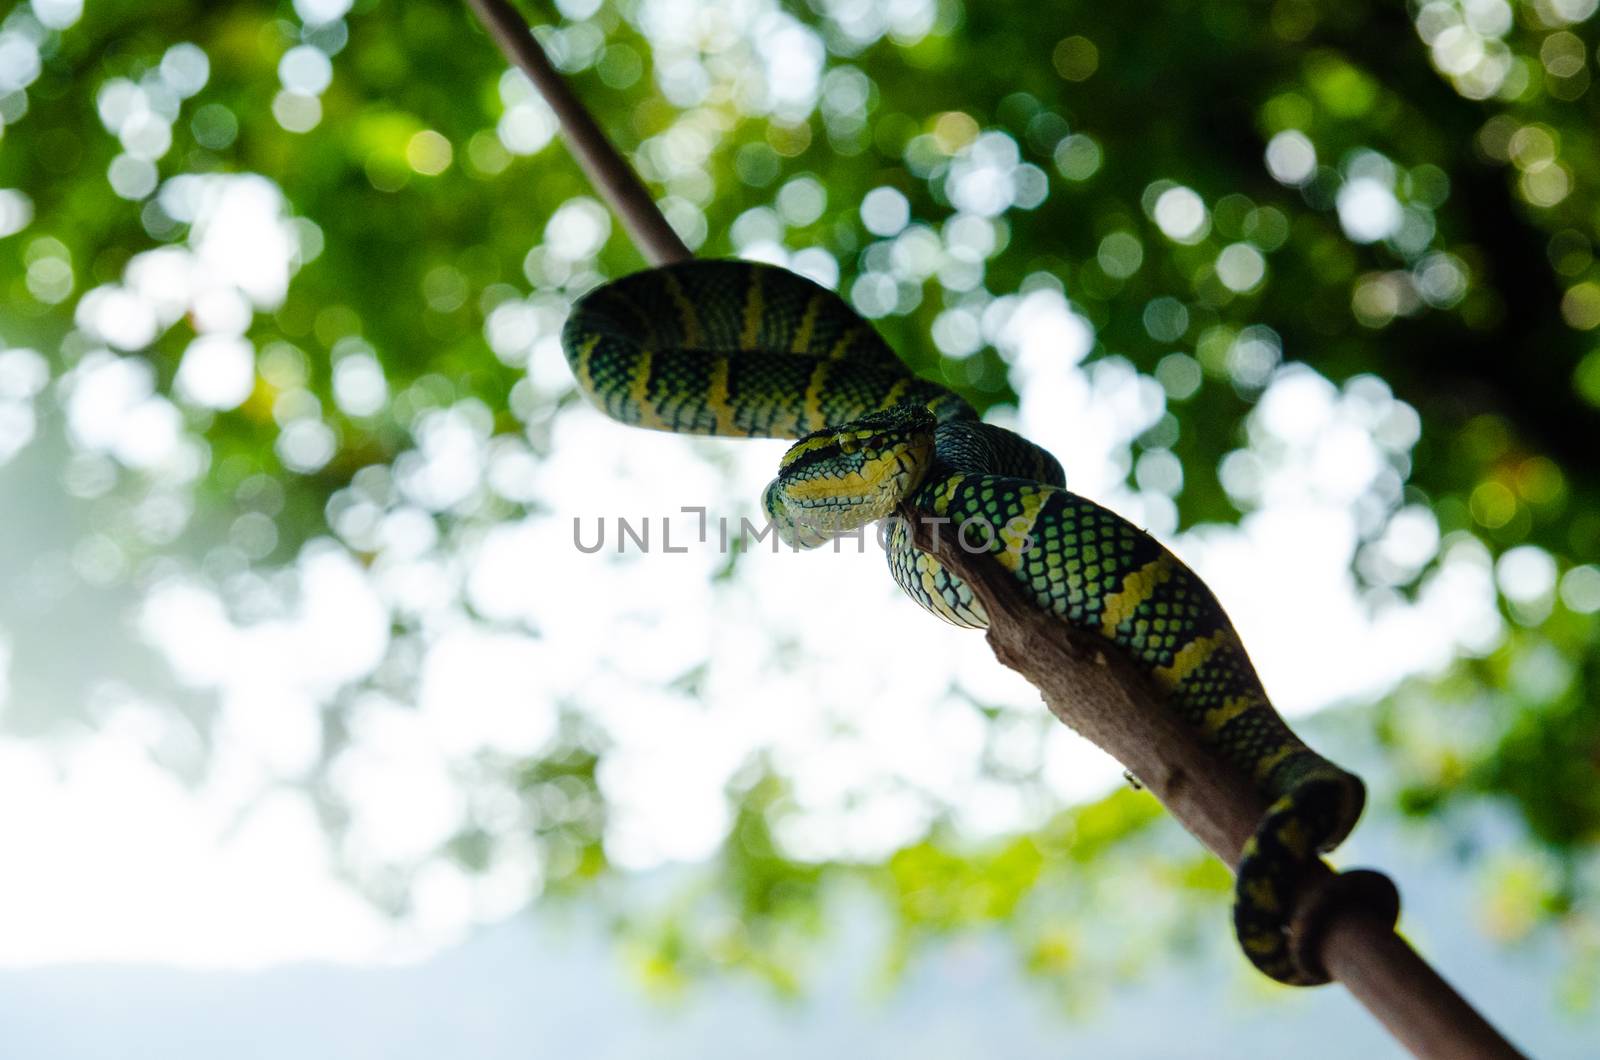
[(398, 783), (336, 633), (1319, 471), (1084, 417), (236, 873), (190, 885), (1302, 641), (483, 690), (676, 750)]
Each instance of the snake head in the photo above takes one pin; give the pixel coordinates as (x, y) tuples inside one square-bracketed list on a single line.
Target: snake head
[(836, 480)]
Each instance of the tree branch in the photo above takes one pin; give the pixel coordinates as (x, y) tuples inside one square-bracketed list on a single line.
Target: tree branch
[(1096, 691), (1091, 687), (606, 169)]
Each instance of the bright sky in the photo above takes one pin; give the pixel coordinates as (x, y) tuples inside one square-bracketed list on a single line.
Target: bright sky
[(813, 657)]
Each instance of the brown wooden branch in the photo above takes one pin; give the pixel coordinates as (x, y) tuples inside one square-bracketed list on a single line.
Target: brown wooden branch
[(1093, 689), (1096, 691), (606, 169)]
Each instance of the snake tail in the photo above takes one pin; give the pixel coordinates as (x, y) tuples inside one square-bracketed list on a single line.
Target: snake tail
[(1314, 815)]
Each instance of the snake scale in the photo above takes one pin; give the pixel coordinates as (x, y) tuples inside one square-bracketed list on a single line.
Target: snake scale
[(740, 349)]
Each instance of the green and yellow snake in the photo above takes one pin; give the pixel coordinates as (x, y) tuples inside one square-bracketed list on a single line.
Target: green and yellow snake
[(745, 350)]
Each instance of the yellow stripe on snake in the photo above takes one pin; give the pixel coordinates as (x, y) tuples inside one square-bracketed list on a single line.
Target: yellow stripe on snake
[(734, 348)]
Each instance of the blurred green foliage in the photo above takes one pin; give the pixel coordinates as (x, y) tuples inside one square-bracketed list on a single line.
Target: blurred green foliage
[(423, 180)]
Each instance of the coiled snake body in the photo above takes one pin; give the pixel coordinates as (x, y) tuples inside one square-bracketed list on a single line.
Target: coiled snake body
[(734, 348)]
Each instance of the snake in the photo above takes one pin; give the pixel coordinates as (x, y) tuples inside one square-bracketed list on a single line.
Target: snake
[(742, 349)]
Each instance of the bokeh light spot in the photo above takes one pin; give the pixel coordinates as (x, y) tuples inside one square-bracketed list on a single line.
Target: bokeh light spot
[(1180, 213), (1441, 280), (1291, 158), (1526, 574), (1586, 378), (1179, 375), (217, 371), (214, 126), (1492, 505), (16, 211), (1166, 319), (299, 113), (1580, 589), (1368, 210), (1120, 255), (19, 61), (185, 68), (429, 153), (885, 211), (132, 178), (954, 130), (1580, 306), (1075, 58), (802, 200), (1077, 157), (305, 70), (359, 387), (57, 14), (1545, 183), (578, 229), (316, 12), (1240, 267)]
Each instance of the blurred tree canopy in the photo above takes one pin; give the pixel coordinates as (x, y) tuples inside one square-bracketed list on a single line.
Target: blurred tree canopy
[(1403, 198)]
